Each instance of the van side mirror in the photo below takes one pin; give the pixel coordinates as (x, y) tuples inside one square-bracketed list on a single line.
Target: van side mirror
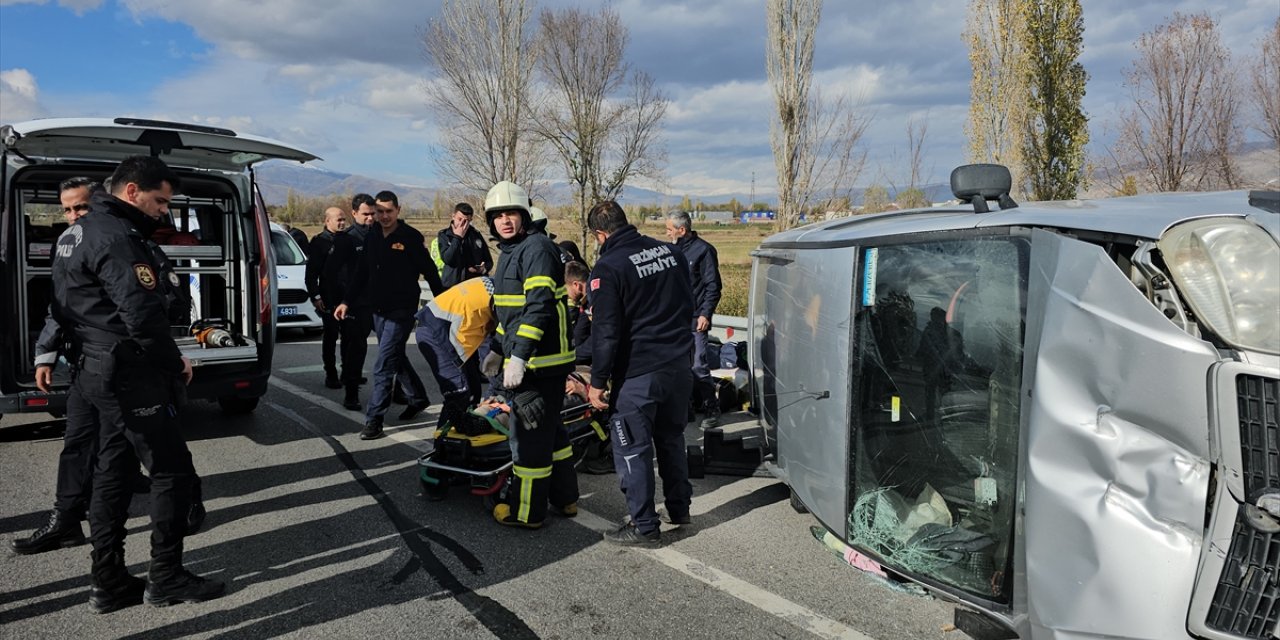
[(978, 183)]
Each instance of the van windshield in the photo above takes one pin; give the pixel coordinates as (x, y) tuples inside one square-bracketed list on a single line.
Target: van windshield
[(287, 251), (938, 357)]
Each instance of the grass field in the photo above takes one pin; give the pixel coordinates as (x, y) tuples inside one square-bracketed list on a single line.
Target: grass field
[(733, 244)]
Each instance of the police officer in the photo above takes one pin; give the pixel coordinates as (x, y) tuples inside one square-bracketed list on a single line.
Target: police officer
[(459, 250), (130, 373), (532, 343), (79, 449), (348, 251), (325, 293), (704, 271), (641, 300)]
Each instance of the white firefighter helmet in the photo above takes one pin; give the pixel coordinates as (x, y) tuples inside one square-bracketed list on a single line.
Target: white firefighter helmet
[(538, 220), (506, 196)]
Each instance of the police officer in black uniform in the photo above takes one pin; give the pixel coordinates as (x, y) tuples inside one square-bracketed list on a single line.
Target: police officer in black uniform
[(326, 294), (106, 292), (79, 449), (339, 269), (641, 301)]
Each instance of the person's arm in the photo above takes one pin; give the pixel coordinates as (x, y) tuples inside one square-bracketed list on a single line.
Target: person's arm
[(606, 323), (487, 261), (131, 282), (48, 345), (451, 252), (710, 266), (538, 315), (316, 258), (426, 266)]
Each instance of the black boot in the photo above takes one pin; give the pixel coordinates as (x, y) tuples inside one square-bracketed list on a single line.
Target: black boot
[(372, 429), (60, 531), (170, 583), (711, 417), (352, 401), (331, 379), (111, 586)]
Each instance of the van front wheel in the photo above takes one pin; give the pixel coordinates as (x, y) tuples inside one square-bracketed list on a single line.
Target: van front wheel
[(236, 405)]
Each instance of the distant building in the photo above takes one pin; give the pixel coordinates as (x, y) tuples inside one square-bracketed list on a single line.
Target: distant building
[(750, 217)]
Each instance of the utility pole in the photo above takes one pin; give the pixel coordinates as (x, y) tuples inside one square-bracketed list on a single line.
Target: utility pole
[(751, 203)]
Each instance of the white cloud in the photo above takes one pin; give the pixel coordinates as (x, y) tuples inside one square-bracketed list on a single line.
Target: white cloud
[(19, 96)]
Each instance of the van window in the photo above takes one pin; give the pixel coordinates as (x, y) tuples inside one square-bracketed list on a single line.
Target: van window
[(287, 251), (938, 363)]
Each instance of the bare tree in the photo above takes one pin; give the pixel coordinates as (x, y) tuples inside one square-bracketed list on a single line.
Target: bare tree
[(997, 112), (1264, 84), (1182, 88), (602, 118), (482, 58), (814, 140)]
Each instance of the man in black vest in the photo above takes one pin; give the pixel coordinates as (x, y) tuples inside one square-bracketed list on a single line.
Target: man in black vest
[(354, 327), (463, 252)]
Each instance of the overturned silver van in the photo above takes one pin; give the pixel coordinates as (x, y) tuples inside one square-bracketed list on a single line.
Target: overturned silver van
[(1062, 415), (229, 332)]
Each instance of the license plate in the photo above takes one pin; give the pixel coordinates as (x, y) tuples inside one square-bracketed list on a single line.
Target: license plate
[(288, 311)]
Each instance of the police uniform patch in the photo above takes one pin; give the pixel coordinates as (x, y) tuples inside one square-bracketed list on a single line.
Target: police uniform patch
[(146, 277), (595, 283), (173, 279), (397, 246)]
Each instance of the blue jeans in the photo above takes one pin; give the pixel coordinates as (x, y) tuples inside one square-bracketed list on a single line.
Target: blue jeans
[(392, 329), (704, 387)]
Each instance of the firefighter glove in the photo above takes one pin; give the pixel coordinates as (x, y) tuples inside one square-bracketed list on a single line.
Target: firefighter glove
[(513, 373), (492, 364), (529, 407)]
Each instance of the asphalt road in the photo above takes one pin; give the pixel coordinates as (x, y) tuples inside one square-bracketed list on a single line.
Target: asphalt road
[(322, 535)]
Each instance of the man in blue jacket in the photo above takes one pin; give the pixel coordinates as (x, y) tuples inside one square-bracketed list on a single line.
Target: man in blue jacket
[(704, 272), (394, 256), (641, 299)]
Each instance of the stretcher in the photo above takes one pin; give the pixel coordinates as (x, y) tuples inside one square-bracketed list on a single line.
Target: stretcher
[(482, 461)]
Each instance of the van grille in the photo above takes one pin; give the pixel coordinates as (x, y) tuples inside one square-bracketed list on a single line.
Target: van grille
[(1247, 600), (293, 296), (1259, 433)]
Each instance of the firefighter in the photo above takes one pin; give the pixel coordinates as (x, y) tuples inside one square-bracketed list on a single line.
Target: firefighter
[(532, 347), (641, 301), (130, 374)]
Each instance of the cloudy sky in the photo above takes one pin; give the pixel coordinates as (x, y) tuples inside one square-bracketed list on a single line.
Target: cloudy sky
[(343, 79)]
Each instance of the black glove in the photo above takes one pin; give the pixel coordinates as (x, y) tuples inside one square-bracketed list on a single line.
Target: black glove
[(529, 407)]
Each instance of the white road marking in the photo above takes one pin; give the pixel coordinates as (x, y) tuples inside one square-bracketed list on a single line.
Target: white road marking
[(794, 614), (311, 368)]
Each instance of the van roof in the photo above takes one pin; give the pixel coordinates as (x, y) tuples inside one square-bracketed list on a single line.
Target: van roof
[(111, 140), (1145, 216)]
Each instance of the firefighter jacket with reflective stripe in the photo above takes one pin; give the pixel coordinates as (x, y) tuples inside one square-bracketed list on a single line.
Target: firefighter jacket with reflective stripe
[(468, 310), (106, 283), (641, 301), (532, 305)]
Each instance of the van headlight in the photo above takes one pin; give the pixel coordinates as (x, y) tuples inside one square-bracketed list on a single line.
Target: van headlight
[(1228, 270)]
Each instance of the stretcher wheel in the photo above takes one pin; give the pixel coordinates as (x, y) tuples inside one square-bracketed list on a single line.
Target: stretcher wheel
[(433, 491)]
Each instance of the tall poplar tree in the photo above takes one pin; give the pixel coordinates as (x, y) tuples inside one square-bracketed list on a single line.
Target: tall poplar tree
[(1057, 127)]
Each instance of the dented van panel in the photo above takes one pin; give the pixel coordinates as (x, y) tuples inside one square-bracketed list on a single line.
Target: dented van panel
[(1063, 415)]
